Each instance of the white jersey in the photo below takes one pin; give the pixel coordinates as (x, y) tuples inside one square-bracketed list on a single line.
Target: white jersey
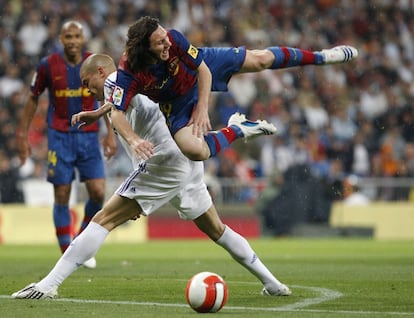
[(168, 176)]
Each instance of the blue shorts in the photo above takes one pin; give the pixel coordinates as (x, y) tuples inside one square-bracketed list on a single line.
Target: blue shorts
[(223, 63), (70, 150)]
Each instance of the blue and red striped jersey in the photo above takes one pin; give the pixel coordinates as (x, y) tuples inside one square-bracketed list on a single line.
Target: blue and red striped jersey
[(67, 96), (171, 82)]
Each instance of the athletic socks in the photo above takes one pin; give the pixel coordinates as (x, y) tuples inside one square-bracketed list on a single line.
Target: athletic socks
[(62, 221), (91, 239), (290, 57), (241, 251), (91, 208), (221, 139), (81, 249)]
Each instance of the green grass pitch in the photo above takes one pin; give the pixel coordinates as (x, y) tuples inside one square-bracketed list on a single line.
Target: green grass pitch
[(328, 277)]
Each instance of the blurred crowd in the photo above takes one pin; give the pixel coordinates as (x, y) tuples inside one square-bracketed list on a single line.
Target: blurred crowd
[(337, 120)]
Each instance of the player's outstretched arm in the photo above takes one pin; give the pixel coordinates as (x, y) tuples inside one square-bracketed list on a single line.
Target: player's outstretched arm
[(89, 117)]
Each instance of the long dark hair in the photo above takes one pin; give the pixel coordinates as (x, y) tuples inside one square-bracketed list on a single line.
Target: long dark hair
[(138, 43)]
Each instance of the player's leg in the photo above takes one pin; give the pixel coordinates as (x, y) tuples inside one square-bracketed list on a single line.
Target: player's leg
[(116, 211), (61, 159), (213, 142), (240, 249), (61, 215), (191, 146), (96, 193), (223, 63), (89, 163), (283, 57)]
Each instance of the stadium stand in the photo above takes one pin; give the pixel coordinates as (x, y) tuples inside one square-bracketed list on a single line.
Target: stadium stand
[(369, 102)]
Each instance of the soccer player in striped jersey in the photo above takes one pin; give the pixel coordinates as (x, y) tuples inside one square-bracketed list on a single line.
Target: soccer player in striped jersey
[(164, 66), (68, 147)]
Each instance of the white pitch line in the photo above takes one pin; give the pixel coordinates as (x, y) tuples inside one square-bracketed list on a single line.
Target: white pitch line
[(325, 295), (274, 309)]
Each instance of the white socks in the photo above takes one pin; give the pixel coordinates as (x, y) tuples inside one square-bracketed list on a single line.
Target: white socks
[(241, 251), (82, 248), (86, 244)]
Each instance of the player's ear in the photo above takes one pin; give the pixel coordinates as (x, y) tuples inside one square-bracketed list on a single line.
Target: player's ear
[(101, 71)]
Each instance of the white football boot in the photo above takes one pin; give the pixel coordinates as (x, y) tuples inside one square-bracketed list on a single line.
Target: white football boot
[(282, 291), (339, 54), (251, 129), (32, 292), (90, 263)]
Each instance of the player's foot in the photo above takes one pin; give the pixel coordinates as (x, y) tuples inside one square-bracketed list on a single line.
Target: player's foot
[(251, 129), (32, 292), (90, 263), (339, 54), (282, 291)]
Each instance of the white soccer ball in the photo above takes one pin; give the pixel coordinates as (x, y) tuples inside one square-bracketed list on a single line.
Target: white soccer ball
[(206, 292)]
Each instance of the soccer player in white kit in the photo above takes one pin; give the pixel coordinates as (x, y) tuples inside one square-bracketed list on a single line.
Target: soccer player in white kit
[(161, 174)]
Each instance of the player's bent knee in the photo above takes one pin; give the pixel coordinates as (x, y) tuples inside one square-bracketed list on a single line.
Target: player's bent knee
[(194, 148), (210, 224), (257, 60), (195, 152)]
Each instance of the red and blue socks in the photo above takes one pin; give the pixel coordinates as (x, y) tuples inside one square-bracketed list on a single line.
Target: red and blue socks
[(290, 57), (221, 139), (91, 208), (64, 225), (62, 221)]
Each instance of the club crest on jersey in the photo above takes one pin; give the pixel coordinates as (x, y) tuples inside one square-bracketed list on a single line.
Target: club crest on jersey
[(173, 65), (192, 51), (117, 95)]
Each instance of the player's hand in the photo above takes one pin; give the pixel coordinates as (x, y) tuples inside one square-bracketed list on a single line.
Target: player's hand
[(24, 149), (200, 121), (84, 118), (142, 149)]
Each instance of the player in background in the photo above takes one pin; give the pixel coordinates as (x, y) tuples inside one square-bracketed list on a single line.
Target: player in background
[(163, 65), (156, 161), (68, 147)]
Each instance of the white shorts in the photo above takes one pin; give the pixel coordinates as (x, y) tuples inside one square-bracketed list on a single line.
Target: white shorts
[(178, 181)]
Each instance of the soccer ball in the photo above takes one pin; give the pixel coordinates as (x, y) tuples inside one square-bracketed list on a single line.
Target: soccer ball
[(206, 292)]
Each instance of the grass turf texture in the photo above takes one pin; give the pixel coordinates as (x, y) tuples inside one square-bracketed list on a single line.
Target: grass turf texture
[(328, 277)]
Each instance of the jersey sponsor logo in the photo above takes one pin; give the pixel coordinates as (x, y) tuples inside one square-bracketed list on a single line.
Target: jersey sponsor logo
[(66, 92), (117, 96), (192, 51)]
